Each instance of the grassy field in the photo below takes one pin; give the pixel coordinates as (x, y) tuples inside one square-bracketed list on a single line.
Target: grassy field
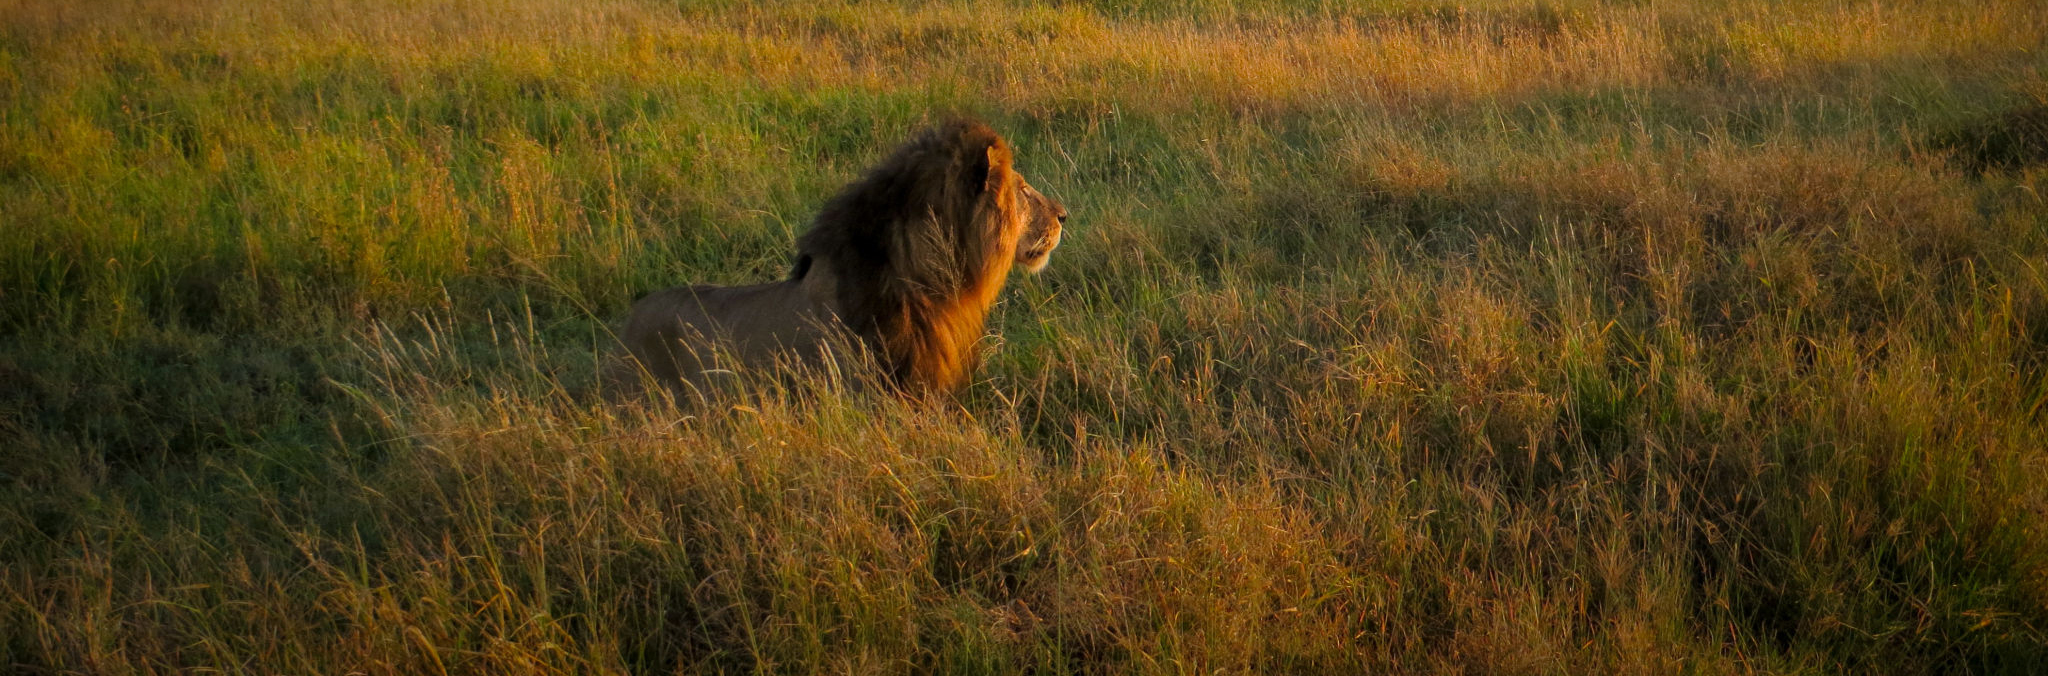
[(1411, 336)]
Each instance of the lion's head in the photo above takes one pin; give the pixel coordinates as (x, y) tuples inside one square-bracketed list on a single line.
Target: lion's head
[(907, 260), (923, 243)]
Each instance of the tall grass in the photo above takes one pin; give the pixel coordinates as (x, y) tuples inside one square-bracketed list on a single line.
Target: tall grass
[(1500, 336)]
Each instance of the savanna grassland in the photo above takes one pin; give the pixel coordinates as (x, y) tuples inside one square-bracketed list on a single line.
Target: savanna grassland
[(1411, 336)]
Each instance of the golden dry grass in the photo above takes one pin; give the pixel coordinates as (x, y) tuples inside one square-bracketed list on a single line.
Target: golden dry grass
[(1410, 336)]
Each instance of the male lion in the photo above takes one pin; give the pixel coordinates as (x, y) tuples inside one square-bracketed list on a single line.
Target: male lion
[(904, 263)]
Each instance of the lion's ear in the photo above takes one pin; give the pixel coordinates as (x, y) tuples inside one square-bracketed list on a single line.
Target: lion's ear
[(998, 167)]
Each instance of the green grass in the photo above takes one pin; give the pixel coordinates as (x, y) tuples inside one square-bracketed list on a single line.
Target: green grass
[(1406, 336)]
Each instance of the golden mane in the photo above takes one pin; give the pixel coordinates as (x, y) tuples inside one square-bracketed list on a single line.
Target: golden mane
[(925, 239), (907, 260)]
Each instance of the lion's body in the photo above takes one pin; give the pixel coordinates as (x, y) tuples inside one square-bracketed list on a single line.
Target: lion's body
[(670, 330), (904, 263)]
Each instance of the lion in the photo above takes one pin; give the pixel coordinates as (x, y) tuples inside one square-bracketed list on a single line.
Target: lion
[(902, 265)]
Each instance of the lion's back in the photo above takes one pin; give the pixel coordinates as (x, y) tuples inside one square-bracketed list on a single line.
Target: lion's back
[(653, 326), (679, 332)]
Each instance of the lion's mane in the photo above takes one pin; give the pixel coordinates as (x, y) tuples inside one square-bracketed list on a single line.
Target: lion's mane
[(908, 259), (921, 245)]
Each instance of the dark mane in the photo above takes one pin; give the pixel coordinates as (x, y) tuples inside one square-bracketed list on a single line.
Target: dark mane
[(920, 244)]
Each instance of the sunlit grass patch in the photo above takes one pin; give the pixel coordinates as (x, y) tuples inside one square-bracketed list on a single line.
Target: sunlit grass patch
[(1500, 336)]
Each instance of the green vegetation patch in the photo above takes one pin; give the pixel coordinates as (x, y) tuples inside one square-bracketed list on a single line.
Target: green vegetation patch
[(1508, 336)]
